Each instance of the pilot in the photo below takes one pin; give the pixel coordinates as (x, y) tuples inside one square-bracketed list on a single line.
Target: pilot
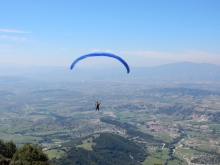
[(97, 105)]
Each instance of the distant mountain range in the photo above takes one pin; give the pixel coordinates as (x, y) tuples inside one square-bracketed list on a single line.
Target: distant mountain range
[(181, 71)]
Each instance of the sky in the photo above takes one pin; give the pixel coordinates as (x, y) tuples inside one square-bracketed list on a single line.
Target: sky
[(142, 32)]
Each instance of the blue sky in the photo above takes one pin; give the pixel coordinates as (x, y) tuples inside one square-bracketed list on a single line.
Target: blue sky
[(142, 32)]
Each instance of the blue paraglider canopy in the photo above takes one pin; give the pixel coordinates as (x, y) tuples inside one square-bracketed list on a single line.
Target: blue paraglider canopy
[(101, 54)]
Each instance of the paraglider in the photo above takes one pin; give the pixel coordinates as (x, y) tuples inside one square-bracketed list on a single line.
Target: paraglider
[(100, 54)]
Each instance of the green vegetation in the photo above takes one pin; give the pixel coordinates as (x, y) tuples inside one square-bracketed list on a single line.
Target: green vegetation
[(164, 137), (87, 144), (152, 160), (26, 154), (215, 126), (54, 153), (184, 151), (207, 148), (109, 149)]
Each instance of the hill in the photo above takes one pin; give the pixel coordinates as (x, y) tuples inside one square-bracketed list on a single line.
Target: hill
[(103, 148)]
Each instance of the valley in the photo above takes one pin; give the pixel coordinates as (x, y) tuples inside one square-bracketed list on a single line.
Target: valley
[(173, 125)]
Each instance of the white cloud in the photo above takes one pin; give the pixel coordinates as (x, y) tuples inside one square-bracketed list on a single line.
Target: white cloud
[(13, 38), (12, 31)]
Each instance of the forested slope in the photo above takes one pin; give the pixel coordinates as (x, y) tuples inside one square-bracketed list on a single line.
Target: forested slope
[(108, 149)]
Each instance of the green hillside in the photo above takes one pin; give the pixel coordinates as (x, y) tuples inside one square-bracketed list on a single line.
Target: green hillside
[(103, 148)]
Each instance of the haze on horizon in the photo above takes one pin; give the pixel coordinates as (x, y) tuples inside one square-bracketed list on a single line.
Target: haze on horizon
[(143, 33)]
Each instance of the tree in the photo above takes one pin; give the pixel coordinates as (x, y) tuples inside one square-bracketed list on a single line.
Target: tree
[(7, 149), (29, 153), (10, 149)]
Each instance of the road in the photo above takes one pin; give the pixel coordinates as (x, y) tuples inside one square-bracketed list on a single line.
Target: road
[(15, 135)]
